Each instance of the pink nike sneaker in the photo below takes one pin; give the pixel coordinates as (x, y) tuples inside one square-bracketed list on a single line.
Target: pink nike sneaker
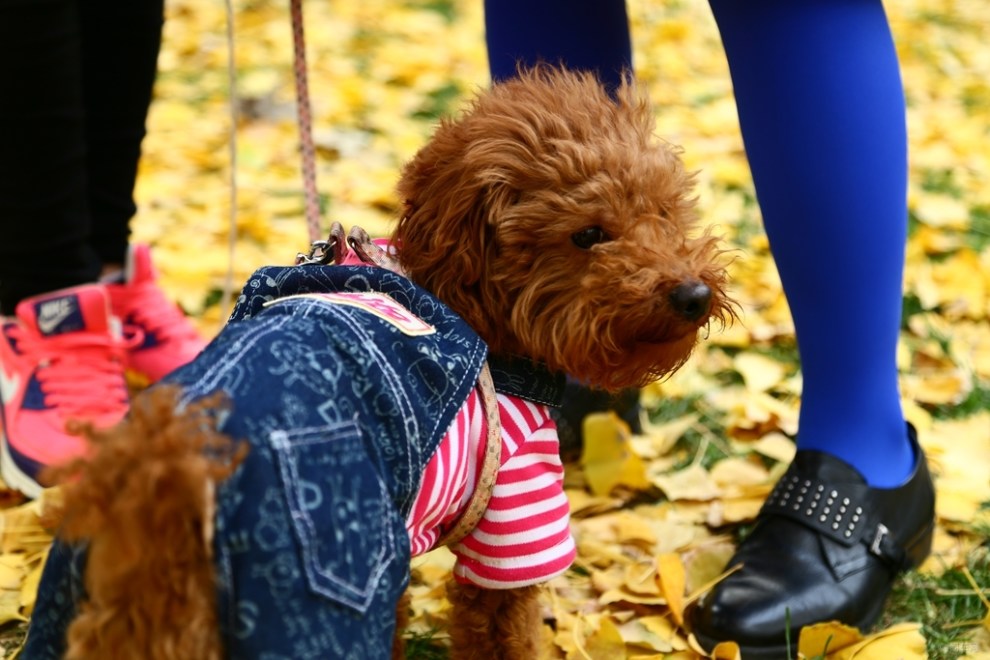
[(61, 359), (160, 337)]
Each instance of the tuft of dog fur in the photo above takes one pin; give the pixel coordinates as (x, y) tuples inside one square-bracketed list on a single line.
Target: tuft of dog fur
[(491, 204), (144, 503), (502, 624)]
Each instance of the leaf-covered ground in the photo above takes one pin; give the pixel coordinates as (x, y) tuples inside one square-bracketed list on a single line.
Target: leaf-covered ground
[(655, 515)]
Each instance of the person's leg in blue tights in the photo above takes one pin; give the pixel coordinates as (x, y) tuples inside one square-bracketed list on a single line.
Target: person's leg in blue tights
[(822, 112), (821, 108), (590, 35)]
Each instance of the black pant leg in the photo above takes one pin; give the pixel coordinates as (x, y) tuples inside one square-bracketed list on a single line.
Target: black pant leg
[(120, 45), (44, 212)]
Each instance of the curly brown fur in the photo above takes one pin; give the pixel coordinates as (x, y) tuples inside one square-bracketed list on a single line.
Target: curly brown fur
[(492, 203), (487, 624), (149, 574)]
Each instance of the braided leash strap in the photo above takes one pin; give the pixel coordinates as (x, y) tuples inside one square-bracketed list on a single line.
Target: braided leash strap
[(228, 280), (326, 251), (305, 120)]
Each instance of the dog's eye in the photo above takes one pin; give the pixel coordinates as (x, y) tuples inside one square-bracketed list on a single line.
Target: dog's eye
[(585, 238)]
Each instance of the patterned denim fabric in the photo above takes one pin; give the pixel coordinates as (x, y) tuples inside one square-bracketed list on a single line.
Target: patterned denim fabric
[(59, 591), (342, 412)]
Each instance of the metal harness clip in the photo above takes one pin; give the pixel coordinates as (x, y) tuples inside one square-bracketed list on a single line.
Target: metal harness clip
[(323, 253)]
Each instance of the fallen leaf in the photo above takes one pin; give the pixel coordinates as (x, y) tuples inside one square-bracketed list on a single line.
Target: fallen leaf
[(940, 211), (902, 641), (641, 579), (776, 446), (626, 597), (658, 439), (29, 587), (630, 528), (667, 630), (691, 483), (759, 372), (726, 651), (606, 643), (733, 474), (10, 606), (825, 638), (607, 458), (637, 632), (671, 576), (938, 388), (704, 563), (735, 510)]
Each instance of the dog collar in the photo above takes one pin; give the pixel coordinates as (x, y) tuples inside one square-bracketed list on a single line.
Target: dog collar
[(526, 379)]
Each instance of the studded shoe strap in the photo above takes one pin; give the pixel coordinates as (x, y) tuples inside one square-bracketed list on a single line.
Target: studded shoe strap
[(837, 512), (478, 503)]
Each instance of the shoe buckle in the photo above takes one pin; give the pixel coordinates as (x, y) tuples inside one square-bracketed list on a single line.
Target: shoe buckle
[(878, 538)]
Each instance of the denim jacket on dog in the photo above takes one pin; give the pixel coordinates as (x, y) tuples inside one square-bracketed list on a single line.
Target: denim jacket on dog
[(342, 408)]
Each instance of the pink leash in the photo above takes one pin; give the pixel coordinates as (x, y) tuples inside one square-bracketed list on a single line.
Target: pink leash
[(305, 121)]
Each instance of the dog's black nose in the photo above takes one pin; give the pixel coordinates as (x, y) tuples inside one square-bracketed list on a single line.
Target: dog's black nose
[(691, 299)]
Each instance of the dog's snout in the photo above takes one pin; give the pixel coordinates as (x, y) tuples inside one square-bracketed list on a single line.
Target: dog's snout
[(691, 299)]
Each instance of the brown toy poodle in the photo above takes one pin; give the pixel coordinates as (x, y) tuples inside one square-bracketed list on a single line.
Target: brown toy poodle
[(264, 501)]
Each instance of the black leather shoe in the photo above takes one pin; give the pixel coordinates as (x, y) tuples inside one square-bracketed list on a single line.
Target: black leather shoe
[(826, 547)]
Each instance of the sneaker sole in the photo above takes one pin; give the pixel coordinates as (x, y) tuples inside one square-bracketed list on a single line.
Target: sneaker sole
[(12, 474)]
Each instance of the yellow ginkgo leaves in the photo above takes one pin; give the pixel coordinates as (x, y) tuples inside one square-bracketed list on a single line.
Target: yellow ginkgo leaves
[(650, 518), (607, 457), (25, 538), (834, 641)]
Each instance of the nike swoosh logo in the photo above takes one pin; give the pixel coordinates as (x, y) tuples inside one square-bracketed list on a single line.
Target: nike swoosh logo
[(49, 323), (8, 386)]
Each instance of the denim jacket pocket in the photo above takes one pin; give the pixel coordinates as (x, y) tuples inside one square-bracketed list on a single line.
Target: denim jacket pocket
[(342, 514)]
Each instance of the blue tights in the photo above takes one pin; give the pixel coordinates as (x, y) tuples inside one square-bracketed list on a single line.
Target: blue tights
[(821, 108)]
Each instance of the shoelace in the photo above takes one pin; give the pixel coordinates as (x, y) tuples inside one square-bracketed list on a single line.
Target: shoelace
[(80, 373), (167, 322)]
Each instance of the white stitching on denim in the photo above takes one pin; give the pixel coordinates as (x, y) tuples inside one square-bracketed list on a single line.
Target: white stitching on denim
[(208, 382), (287, 465), (391, 379)]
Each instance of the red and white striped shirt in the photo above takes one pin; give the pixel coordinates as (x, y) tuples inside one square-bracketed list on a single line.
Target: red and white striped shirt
[(524, 537)]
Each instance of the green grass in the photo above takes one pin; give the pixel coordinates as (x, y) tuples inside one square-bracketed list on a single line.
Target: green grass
[(440, 102), (705, 437), (941, 604), (976, 401), (910, 306), (425, 646), (445, 8), (978, 235), (941, 181)]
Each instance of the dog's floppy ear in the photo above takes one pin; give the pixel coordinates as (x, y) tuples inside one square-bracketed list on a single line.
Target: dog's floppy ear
[(446, 236)]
